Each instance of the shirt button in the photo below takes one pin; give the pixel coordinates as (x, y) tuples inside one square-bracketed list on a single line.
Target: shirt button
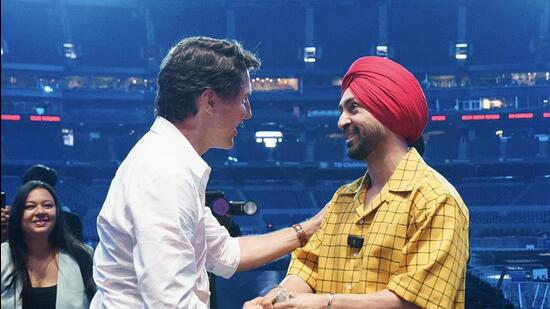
[(361, 221), (348, 287)]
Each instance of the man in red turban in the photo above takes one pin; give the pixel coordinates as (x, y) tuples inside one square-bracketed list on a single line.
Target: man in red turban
[(390, 93), (396, 237)]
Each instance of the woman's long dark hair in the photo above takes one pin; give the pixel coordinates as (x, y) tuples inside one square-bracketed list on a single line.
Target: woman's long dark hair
[(59, 238)]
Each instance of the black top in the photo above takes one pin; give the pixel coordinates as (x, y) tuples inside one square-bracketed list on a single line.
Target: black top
[(43, 298)]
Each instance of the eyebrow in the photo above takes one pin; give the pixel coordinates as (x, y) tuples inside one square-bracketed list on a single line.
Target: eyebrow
[(36, 202)]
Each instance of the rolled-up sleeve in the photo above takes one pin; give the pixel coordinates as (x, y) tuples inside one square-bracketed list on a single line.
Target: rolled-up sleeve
[(304, 261), (163, 252), (434, 260), (223, 254)]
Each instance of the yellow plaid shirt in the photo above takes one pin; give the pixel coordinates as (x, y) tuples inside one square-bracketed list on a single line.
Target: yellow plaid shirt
[(415, 240)]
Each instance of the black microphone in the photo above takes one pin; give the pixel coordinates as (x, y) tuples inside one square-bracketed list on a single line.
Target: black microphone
[(355, 241)]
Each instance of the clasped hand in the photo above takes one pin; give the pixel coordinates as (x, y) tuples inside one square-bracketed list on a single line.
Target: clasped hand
[(296, 301)]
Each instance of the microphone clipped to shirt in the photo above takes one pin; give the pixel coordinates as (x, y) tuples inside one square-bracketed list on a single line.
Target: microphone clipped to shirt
[(355, 241)]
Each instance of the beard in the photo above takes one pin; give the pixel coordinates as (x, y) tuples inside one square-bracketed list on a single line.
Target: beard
[(358, 151), (366, 141)]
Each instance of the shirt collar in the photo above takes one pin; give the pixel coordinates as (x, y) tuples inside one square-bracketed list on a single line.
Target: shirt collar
[(403, 178), (166, 129)]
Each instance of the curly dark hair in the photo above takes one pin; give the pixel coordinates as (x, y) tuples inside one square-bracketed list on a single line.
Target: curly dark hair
[(196, 64)]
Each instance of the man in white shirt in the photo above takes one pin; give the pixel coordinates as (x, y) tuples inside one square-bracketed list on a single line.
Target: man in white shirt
[(157, 238)]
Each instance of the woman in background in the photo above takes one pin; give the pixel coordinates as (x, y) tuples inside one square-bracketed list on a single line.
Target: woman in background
[(43, 266)]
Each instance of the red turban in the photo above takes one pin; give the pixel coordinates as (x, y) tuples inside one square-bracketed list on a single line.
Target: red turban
[(390, 93)]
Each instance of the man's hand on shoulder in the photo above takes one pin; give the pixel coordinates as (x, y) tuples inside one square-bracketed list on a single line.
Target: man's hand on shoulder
[(314, 223)]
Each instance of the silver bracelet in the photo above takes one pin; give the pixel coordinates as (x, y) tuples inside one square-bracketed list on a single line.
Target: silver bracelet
[(330, 297)]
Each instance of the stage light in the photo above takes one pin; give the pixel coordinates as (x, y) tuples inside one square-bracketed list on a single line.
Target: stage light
[(4, 48), (269, 138), (68, 137), (269, 134), (461, 51), (487, 103), (310, 54), (542, 137), (70, 51), (270, 142), (382, 51), (47, 89)]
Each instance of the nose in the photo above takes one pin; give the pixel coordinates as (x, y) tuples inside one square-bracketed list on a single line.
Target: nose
[(248, 110), (40, 210), (343, 121)]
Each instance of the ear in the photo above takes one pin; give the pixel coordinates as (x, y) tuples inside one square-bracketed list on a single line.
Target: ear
[(207, 100)]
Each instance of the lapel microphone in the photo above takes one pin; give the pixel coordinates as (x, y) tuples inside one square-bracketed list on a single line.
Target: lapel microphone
[(355, 241)]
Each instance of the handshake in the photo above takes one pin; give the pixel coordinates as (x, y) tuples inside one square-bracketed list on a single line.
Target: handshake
[(277, 295), (280, 298)]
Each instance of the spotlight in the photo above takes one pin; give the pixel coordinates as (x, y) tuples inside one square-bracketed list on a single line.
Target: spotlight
[(461, 51), (269, 138), (310, 53), (232, 159), (382, 51), (70, 50)]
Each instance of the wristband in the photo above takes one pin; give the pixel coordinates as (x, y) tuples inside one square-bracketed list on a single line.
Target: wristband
[(302, 237)]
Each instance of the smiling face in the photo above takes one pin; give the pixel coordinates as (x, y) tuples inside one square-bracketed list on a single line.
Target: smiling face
[(230, 114), (362, 131), (39, 214)]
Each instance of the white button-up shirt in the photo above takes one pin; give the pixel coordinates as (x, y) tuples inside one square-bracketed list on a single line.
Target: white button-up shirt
[(157, 237)]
